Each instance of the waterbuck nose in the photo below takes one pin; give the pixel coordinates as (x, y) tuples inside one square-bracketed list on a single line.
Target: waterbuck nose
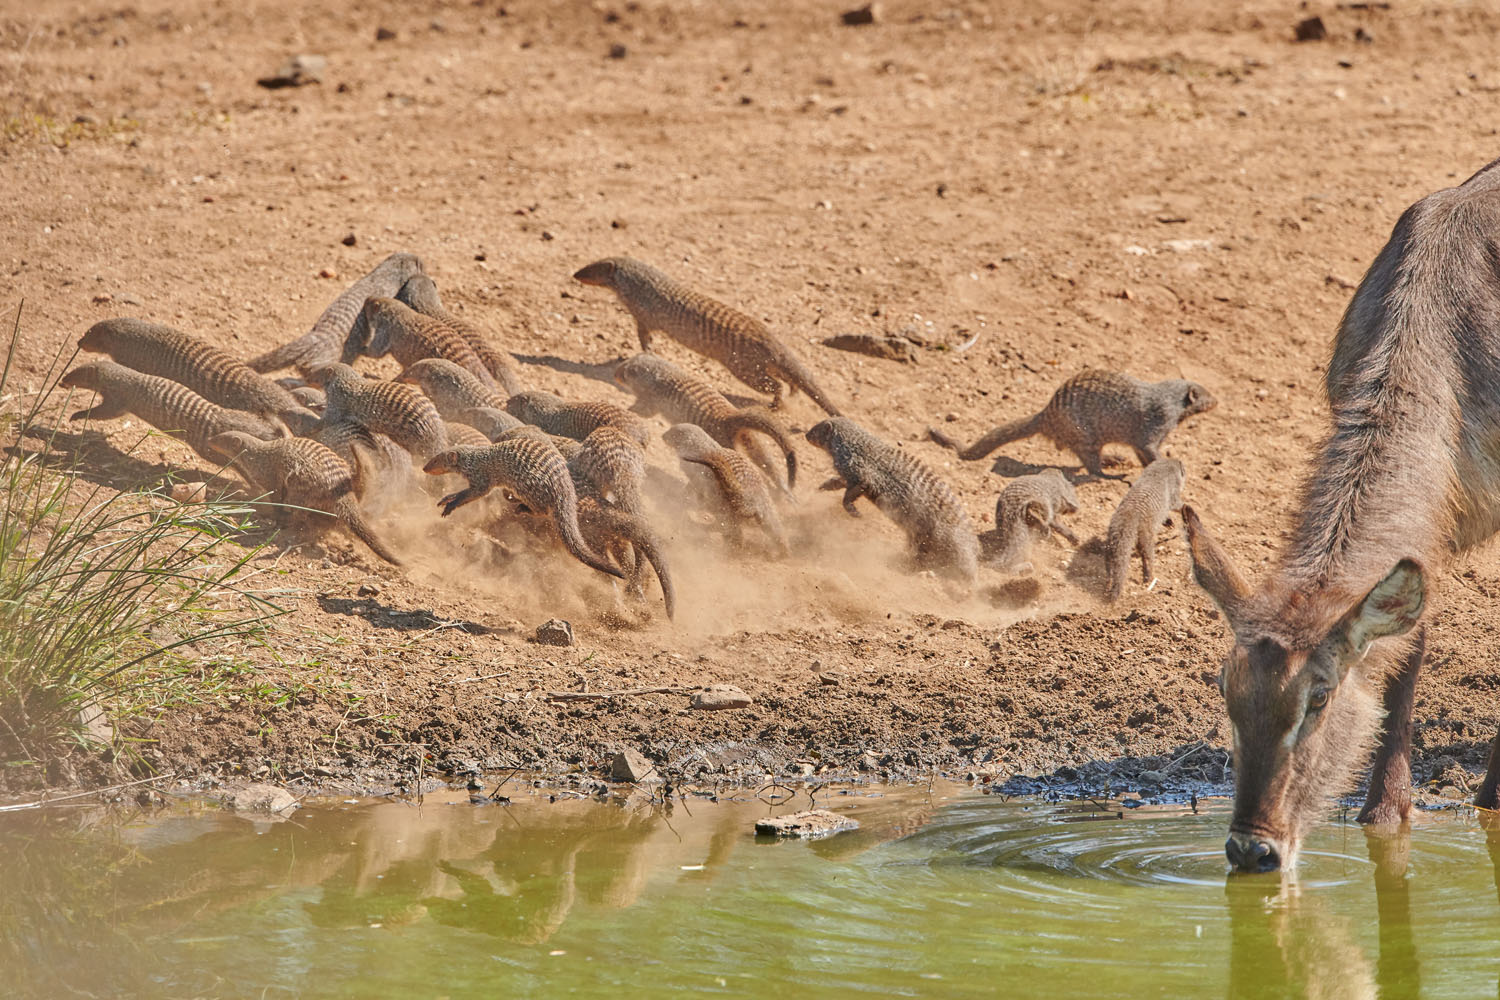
[(1251, 855)]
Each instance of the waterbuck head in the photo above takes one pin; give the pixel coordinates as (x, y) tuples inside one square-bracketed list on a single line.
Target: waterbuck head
[(1304, 704)]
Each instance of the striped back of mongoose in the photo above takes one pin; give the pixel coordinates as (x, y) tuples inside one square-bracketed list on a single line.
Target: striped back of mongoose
[(463, 434), (1027, 511), (555, 415), (451, 387), (216, 376), (1133, 528), (905, 490), (300, 472), (535, 472), (421, 294), (741, 486), (320, 346), (626, 538), (660, 387), (615, 464), (389, 408), (489, 421), (1095, 408), (169, 406), (388, 326), (737, 341)]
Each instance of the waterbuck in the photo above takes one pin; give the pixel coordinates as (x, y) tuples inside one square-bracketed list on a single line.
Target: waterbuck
[(1408, 476)]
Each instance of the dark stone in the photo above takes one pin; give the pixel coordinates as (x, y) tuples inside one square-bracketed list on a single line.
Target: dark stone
[(1311, 30), (868, 14)]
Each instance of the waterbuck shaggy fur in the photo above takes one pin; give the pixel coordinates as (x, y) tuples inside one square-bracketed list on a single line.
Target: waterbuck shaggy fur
[(1408, 476)]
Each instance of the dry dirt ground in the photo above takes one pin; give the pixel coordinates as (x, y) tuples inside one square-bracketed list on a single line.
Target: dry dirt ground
[(1173, 189)]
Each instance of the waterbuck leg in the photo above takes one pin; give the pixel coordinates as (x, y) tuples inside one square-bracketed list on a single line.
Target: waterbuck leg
[(1487, 797), (1389, 798)]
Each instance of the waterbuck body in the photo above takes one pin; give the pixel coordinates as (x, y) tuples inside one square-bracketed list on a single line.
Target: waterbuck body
[(1408, 476)]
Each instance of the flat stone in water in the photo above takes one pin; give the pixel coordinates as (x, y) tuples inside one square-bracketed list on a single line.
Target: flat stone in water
[(261, 798), (809, 825)]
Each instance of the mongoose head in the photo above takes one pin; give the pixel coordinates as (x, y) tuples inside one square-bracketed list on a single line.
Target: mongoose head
[(600, 272), (640, 371), (311, 397), (1303, 699), (373, 331), (420, 293), (689, 440), (430, 373), (232, 443), (1192, 398), (87, 376), (442, 463), (96, 338), (824, 433), (533, 405), (329, 376)]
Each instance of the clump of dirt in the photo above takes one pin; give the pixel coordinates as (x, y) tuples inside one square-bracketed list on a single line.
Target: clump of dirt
[(1171, 193)]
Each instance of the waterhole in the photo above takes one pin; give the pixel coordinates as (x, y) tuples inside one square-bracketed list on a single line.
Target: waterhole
[(941, 892)]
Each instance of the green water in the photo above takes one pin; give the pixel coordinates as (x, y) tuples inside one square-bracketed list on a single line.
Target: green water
[(942, 892)]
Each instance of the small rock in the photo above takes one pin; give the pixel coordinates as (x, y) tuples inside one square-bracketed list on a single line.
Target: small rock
[(888, 348), (868, 14), (350, 240), (328, 272), (629, 765), (384, 35), (1362, 35), (367, 590), (547, 235), (719, 697), (1153, 778), (555, 632), (129, 299), (261, 798), (618, 51), (868, 762), (803, 768), (103, 298), (1187, 246), (298, 71), (92, 721), (1311, 30), (809, 825), (829, 678)]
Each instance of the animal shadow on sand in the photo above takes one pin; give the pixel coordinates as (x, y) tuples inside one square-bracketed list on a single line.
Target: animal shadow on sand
[(89, 455), (386, 616)]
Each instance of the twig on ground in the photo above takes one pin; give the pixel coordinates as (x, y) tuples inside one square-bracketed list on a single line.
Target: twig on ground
[(43, 803), (625, 692)]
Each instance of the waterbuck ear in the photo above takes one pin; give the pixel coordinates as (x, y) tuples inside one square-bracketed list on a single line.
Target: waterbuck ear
[(1390, 608), (1212, 567)]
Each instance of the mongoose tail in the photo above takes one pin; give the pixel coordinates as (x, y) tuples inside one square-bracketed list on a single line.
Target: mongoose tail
[(622, 526), (790, 369), (346, 510), (744, 421), (1002, 435), (1117, 553), (572, 539)]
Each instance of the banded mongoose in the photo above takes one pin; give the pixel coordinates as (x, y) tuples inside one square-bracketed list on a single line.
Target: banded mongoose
[(615, 465), (908, 492), (451, 387), (169, 406), (463, 434), (1095, 408), (388, 326), (381, 465), (737, 341), (1150, 501), (626, 538), (389, 408), (421, 294), (216, 376), (320, 346), (532, 470), (1028, 511), (661, 387), (741, 488), (490, 422), (311, 397), (556, 415), (301, 473)]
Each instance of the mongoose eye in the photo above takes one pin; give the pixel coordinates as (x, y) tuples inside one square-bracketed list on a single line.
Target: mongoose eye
[(1316, 699)]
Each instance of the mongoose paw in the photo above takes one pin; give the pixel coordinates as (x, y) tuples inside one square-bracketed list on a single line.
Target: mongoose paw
[(452, 502)]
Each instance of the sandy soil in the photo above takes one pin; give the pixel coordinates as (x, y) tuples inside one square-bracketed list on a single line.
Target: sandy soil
[(1164, 188)]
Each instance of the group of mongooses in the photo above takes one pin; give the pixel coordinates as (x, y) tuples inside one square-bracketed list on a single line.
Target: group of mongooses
[(324, 441)]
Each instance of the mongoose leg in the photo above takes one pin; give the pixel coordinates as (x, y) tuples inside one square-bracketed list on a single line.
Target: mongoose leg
[(1486, 797), (1092, 461), (644, 333), (1147, 455), (1147, 548), (836, 483), (1389, 799), (852, 494), (1065, 531), (453, 501)]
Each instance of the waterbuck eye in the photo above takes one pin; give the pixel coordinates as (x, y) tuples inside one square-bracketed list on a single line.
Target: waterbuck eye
[(1316, 699)]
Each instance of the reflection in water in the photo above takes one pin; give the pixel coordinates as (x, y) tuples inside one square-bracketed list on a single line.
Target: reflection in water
[(639, 897)]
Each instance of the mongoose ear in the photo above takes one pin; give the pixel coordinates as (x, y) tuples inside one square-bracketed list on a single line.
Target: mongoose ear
[(1193, 393), (1212, 568), (1391, 607)]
